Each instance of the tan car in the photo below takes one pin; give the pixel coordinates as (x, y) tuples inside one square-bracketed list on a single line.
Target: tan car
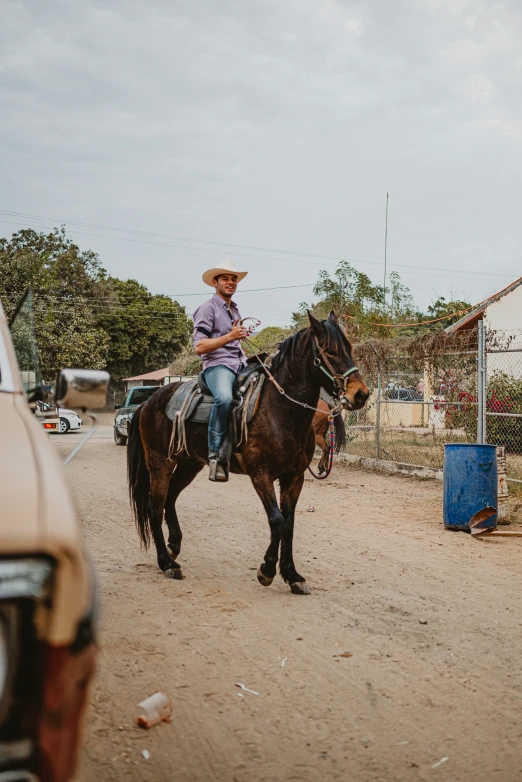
[(47, 590)]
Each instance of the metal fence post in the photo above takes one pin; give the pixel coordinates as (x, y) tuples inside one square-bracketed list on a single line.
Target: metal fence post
[(484, 386), (480, 384), (378, 417)]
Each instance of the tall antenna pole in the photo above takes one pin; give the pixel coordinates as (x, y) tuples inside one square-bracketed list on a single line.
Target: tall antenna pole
[(341, 299), (385, 250)]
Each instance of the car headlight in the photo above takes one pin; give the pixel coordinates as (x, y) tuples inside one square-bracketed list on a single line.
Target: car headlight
[(25, 578), (24, 583)]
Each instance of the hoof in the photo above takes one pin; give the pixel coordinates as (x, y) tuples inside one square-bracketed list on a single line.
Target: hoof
[(174, 572), (263, 580), (299, 588)]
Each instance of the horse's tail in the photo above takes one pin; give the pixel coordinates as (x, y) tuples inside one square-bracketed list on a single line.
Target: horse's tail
[(340, 433), (139, 479)]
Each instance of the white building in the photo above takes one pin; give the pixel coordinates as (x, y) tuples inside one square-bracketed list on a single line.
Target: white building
[(160, 377), (502, 318)]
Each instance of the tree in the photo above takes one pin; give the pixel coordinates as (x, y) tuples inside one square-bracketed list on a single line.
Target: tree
[(145, 330), (400, 305), (354, 298), (84, 317), (442, 308), (266, 341), (64, 281), (186, 363)]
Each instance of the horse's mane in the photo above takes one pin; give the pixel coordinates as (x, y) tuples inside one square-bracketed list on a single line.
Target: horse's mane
[(286, 349), (335, 340)]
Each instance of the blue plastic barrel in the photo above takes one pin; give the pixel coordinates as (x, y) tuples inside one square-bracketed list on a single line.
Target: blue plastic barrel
[(470, 484)]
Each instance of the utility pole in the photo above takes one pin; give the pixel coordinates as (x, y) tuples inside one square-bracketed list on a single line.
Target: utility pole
[(385, 251), (341, 298)]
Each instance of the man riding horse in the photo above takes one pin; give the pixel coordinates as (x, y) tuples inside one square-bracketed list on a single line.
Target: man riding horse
[(217, 339)]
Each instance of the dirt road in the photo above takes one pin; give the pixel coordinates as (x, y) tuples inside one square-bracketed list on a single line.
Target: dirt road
[(431, 619)]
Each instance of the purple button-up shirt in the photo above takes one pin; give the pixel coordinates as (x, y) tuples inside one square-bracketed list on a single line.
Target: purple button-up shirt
[(214, 319)]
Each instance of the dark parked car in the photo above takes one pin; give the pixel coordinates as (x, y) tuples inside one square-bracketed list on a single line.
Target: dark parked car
[(135, 397), (404, 394)]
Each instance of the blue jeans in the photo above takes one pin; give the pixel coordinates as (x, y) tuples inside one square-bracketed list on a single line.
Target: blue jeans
[(220, 380)]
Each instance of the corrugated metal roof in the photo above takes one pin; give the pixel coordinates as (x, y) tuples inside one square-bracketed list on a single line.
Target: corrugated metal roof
[(471, 317), (158, 374)]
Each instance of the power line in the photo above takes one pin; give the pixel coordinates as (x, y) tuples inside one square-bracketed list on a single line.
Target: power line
[(184, 247), (171, 236), (117, 295), (337, 259), (173, 316)]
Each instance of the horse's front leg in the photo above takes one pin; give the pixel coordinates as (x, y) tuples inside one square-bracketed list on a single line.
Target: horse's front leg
[(264, 486), (290, 491)]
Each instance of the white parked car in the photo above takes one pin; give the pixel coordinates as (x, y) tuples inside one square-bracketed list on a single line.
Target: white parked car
[(69, 419)]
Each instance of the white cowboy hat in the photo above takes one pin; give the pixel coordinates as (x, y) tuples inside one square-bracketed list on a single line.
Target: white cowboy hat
[(227, 267)]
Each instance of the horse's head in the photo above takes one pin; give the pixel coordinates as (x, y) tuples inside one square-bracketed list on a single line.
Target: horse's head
[(334, 363)]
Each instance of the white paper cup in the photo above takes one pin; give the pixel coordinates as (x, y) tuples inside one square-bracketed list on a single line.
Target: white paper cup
[(154, 709)]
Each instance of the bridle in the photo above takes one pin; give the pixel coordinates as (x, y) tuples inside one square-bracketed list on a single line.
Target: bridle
[(340, 381), (321, 361)]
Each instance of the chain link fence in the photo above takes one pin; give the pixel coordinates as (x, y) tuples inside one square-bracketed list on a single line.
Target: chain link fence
[(422, 395), (426, 392), (502, 410)]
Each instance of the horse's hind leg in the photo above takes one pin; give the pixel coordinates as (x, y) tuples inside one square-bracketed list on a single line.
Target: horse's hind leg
[(264, 486), (325, 448), (290, 491), (159, 484), (183, 475)]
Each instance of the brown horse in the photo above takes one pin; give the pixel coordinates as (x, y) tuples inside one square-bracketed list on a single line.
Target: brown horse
[(280, 446), (321, 430)]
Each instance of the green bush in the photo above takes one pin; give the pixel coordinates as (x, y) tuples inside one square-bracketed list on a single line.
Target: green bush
[(504, 395)]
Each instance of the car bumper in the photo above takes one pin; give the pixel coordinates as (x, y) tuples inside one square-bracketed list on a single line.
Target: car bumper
[(122, 423)]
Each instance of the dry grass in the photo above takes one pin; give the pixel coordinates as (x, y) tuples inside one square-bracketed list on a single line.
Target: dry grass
[(427, 450)]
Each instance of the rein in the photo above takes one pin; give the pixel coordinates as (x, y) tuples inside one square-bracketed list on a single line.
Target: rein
[(341, 381), (336, 409)]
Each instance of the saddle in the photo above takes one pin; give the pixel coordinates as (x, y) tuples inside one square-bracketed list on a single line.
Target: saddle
[(192, 401)]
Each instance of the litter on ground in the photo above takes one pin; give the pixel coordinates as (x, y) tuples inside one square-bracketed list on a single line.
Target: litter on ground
[(252, 692)]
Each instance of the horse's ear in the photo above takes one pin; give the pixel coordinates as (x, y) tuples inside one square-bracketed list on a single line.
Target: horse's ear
[(332, 317), (316, 325)]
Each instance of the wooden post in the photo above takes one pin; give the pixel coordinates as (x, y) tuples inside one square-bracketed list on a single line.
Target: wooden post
[(503, 499), (429, 379)]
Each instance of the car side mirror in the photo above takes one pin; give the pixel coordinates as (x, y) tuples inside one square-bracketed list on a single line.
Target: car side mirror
[(117, 407), (82, 388)]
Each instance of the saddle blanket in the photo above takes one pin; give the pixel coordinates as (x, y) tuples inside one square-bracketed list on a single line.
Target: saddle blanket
[(190, 403)]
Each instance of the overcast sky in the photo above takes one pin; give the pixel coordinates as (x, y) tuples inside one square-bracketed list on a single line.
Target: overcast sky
[(275, 124)]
